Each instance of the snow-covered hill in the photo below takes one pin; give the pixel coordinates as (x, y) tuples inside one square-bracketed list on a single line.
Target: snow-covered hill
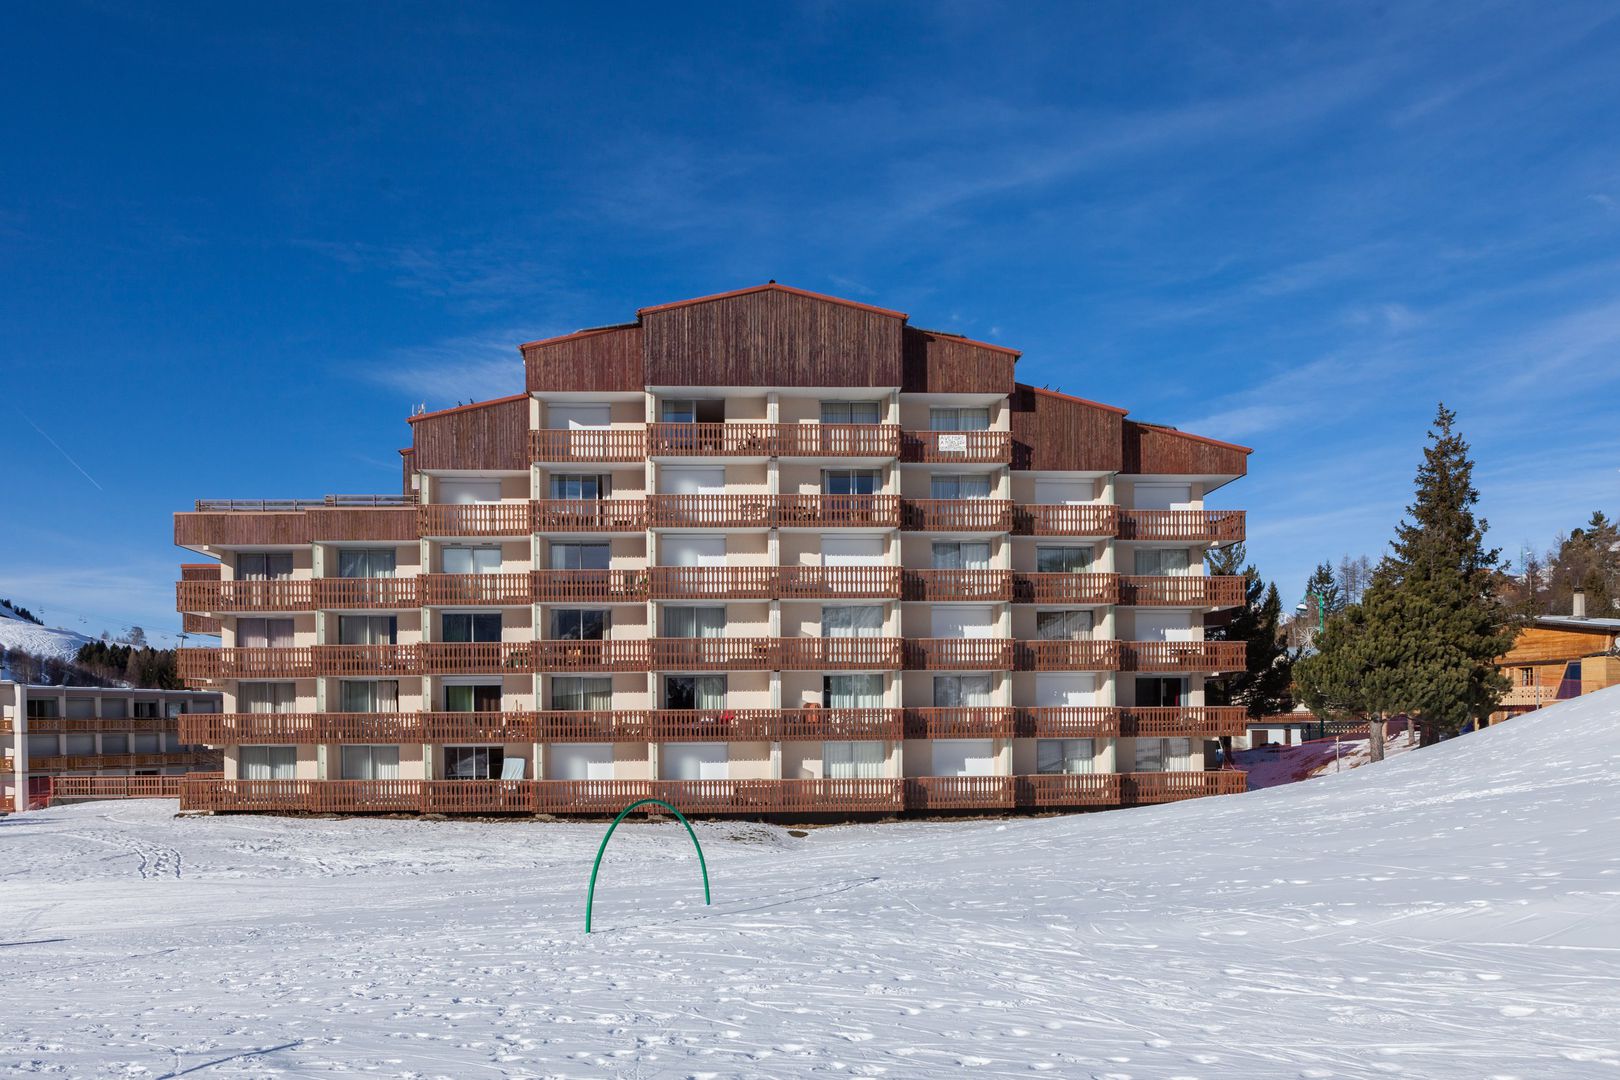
[(17, 632), (1453, 913)]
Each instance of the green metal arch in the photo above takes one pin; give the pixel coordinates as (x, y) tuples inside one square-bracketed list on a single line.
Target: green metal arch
[(590, 897)]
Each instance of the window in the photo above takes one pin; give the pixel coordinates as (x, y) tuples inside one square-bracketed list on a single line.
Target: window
[(579, 486), (573, 693), (694, 692), (852, 691), (1165, 755), (1158, 692), (692, 480), (264, 566), (964, 757), (473, 762), (959, 486), (689, 411), (572, 556), (367, 629), (1149, 755), (116, 708), (42, 707), (694, 622), (369, 695), (851, 550), (472, 560), (1064, 756), (1062, 625), (682, 550), (370, 763), (580, 761), (143, 742), (851, 481), (962, 691), (972, 555), (47, 745), (579, 624), (575, 415), (852, 412), (852, 760), (171, 741), (1161, 562), (959, 419), (252, 697), (264, 633), (472, 697), (75, 745), (1527, 676), (854, 620), (463, 492), (694, 761), (366, 562), (962, 621), (262, 762), (1051, 491), (1062, 560), (470, 626), (1162, 497)]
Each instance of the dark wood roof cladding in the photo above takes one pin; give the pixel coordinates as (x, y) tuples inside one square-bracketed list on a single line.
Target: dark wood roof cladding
[(609, 360), (238, 529), (407, 464), (491, 435), (771, 337), (941, 364), (1061, 433), (363, 523), (1151, 449)]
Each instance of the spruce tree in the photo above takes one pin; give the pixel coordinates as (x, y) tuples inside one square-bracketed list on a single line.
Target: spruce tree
[(1262, 686), (1322, 588)]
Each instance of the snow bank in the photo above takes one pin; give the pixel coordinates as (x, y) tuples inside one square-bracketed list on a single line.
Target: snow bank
[(1454, 912), (18, 633)]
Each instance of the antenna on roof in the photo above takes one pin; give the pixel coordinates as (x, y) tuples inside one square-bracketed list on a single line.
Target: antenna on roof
[(771, 282)]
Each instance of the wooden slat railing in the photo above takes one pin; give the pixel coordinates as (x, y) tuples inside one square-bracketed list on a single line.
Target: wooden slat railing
[(836, 582), (45, 725), (1068, 789), (988, 585), (705, 653), (51, 762), (377, 593), (828, 511), (206, 665), (748, 438), (841, 653), (728, 582), (818, 724), (370, 660), (589, 515), (229, 729), (588, 444), (1183, 590), (200, 624), (980, 721), (960, 792), (1062, 519), (597, 797), (838, 440), (1194, 721), (957, 446), (1206, 656), (503, 726), (957, 515), (959, 654), (1067, 655), (1189, 526), (1085, 588), (475, 657), (1143, 788), (478, 797), (287, 594), (475, 519), (607, 725), (710, 725), (487, 590), (115, 787), (715, 511), (1068, 722), (611, 586), (567, 655)]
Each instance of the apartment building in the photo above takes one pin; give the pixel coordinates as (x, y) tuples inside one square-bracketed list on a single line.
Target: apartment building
[(68, 742), (767, 552), (1558, 657)]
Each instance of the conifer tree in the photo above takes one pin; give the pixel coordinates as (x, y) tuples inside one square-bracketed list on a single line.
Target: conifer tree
[(1262, 687), (1323, 586)]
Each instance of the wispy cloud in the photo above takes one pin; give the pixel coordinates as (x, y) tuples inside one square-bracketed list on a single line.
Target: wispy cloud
[(461, 369)]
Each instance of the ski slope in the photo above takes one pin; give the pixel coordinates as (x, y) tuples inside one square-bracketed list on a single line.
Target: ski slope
[(1453, 913), (17, 632)]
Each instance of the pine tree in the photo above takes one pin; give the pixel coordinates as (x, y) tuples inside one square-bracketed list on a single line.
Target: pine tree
[(1262, 687), (1322, 591)]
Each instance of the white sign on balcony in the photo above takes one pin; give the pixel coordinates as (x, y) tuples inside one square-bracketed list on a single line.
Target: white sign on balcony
[(953, 443)]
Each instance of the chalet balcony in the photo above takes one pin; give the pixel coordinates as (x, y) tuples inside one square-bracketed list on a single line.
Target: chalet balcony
[(82, 725), (212, 665), (713, 653), (1192, 721), (838, 511), (377, 593), (481, 590), (819, 724), (759, 439), (303, 728), (1058, 790), (1068, 655), (370, 660), (173, 759), (602, 586), (838, 582), (589, 515), (606, 725), (476, 657), (961, 447), (295, 522), (713, 582), (841, 653), (1138, 789), (781, 796), (567, 446), (1069, 722), (569, 655), (1060, 519), (244, 595), (1182, 526), (116, 787), (958, 515), (976, 722), (716, 725), (960, 792), (959, 654), (711, 511), (475, 519), (199, 624), (1183, 590), (1198, 656), (1083, 589), (946, 585)]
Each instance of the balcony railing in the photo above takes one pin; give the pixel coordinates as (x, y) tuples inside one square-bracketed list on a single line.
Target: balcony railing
[(484, 590), (1062, 519), (1069, 722), (838, 582), (841, 653), (1193, 721), (1055, 790), (818, 724), (115, 787), (1182, 526), (589, 515), (960, 792), (554, 655), (957, 515), (986, 447), (1085, 588), (715, 511), (959, 654), (1067, 655), (588, 444), (938, 585), (476, 657), (474, 519), (80, 725), (303, 728), (286, 594), (703, 654), (772, 582), (764, 439), (973, 722), (1204, 656), (49, 762), (829, 511), (1183, 590), (384, 593), (610, 586), (1159, 787)]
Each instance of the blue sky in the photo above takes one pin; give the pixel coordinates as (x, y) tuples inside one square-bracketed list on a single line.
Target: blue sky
[(238, 243)]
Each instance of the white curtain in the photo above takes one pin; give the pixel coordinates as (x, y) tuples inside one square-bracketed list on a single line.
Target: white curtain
[(677, 550), (694, 761), (266, 697), (960, 486), (366, 562), (691, 480), (1062, 560), (1064, 756), (689, 622), (265, 762), (852, 550), (972, 555), (370, 695), (1063, 625), (581, 761), (265, 566), (572, 556), (264, 633), (851, 412), (575, 694), (472, 560), (364, 629), (962, 691), (371, 763), (852, 760), (855, 620), (1159, 562), (853, 691)]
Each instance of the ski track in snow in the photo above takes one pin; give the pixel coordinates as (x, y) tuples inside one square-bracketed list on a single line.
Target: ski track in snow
[(1452, 913)]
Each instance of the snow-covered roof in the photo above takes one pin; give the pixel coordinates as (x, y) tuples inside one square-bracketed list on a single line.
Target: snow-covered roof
[(1570, 622)]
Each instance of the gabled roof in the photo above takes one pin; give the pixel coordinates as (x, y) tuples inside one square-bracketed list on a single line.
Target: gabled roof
[(1078, 400), (1168, 430), (772, 287), (577, 334), (463, 408), (1014, 353)]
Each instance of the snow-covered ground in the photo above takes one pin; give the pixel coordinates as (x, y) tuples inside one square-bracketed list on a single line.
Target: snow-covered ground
[(1291, 764), (1454, 912), (18, 633)]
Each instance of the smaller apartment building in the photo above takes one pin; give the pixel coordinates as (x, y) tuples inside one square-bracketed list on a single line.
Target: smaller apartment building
[(80, 741), (1557, 657)]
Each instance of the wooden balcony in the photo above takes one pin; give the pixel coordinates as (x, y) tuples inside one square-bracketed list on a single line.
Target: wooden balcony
[(475, 519), (601, 586), (115, 787), (969, 447), (259, 523), (214, 596), (819, 724), (959, 654), (713, 653), (1137, 789), (1082, 589), (838, 511), (476, 657), (838, 582), (1192, 721), (376, 593), (172, 759), (477, 797), (600, 798), (1185, 590), (566, 446), (1204, 656), (976, 722), (957, 515), (1067, 655), (480, 590), (960, 792), (769, 440), (772, 511), (716, 725), (589, 515), (563, 655), (781, 796), (303, 728), (1059, 519), (1068, 722), (713, 582), (1058, 790), (1182, 526), (380, 661), (841, 653), (199, 624), (946, 585), (211, 665), (83, 725), (615, 725)]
